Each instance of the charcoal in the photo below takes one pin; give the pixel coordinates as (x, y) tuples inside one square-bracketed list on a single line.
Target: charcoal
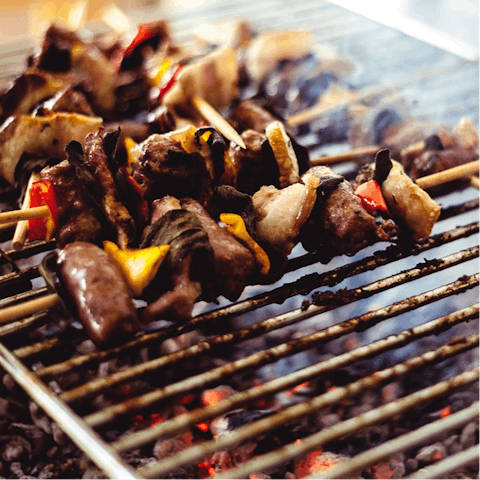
[(16, 449), (452, 444), (59, 436), (9, 383), (411, 465), (16, 469), (37, 436), (431, 453), (39, 418)]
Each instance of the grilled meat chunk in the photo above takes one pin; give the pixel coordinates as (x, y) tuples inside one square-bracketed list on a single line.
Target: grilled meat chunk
[(338, 224), (409, 204), (97, 292), (165, 168), (233, 263), (92, 167), (255, 166), (79, 219), (282, 213), (187, 271)]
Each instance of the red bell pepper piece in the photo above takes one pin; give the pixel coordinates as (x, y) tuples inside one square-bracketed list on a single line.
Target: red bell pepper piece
[(170, 83), (143, 34), (370, 194), (42, 193)]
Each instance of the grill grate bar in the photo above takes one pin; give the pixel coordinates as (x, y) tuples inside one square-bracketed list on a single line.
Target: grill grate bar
[(422, 435), (22, 297), (278, 352), (177, 424), (291, 414), (24, 324), (263, 327), (444, 467)]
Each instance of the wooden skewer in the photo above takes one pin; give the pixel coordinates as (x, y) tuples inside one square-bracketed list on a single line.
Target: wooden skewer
[(212, 116), (445, 176), (26, 214), (20, 234), (354, 154), (474, 182), (10, 314)]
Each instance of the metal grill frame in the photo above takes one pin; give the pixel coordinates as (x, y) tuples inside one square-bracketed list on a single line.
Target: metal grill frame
[(108, 456)]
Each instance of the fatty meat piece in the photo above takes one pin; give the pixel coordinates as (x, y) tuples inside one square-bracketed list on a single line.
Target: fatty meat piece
[(282, 213), (409, 203), (98, 292), (40, 136)]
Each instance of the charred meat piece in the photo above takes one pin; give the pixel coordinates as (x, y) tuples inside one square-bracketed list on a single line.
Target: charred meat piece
[(233, 263), (435, 161), (338, 224), (255, 166), (165, 168), (93, 169), (250, 115), (187, 271), (79, 219), (97, 292)]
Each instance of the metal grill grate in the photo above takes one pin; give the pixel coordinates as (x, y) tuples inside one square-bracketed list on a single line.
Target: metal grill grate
[(391, 297)]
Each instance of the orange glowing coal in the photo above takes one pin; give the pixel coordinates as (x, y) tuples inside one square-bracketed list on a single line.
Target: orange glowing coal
[(445, 412), (203, 426), (315, 462), (212, 397), (296, 389)]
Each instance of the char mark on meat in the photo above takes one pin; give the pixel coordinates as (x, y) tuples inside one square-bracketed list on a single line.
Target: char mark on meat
[(165, 168), (93, 170)]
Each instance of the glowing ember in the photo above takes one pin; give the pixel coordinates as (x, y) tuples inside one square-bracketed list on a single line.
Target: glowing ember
[(203, 426), (381, 470), (187, 399), (445, 412), (315, 462), (296, 389), (155, 419), (212, 397)]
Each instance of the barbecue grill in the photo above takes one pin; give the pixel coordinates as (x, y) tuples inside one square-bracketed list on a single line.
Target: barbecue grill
[(322, 337)]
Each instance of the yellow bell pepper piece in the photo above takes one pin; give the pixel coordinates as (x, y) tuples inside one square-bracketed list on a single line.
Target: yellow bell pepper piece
[(156, 77), (236, 226), (139, 266), (133, 154)]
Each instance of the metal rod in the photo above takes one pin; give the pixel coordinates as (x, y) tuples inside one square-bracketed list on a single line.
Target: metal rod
[(280, 351), (292, 414), (444, 467), (177, 424), (349, 468), (265, 326), (79, 432)]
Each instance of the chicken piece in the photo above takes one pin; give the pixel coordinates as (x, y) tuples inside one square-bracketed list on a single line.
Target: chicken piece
[(41, 136), (214, 78), (79, 219), (28, 90), (408, 203), (282, 213), (338, 224), (233, 263), (98, 293)]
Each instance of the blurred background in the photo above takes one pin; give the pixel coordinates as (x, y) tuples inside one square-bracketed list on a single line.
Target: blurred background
[(448, 24)]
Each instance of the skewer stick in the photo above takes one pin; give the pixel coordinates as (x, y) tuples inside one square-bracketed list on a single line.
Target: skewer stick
[(212, 116), (20, 234), (474, 182), (354, 154), (27, 214), (10, 314), (445, 176)]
